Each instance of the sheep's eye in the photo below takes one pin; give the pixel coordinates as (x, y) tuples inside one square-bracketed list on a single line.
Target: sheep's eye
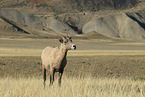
[(65, 41)]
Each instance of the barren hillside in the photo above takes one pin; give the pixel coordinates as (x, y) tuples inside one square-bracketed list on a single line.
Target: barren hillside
[(105, 17), (63, 6)]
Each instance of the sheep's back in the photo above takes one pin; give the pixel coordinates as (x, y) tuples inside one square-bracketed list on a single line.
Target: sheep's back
[(48, 55)]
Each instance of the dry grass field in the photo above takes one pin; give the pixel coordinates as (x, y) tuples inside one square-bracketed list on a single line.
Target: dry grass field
[(72, 87), (98, 68)]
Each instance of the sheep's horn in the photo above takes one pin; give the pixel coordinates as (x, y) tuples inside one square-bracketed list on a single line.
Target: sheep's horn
[(67, 36), (61, 37)]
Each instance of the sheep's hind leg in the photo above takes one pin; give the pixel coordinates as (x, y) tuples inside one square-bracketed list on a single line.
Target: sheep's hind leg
[(44, 74), (52, 72)]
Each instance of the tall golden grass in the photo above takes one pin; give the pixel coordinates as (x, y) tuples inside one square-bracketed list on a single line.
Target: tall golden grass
[(72, 87)]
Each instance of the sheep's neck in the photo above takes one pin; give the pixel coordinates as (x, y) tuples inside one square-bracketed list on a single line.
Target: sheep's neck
[(62, 53)]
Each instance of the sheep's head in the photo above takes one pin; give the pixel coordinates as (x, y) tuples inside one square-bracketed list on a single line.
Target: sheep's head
[(67, 43)]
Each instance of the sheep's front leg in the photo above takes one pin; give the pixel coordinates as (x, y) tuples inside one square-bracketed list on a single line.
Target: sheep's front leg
[(60, 76), (52, 72)]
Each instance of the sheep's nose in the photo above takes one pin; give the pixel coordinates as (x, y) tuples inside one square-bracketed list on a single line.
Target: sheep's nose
[(74, 46)]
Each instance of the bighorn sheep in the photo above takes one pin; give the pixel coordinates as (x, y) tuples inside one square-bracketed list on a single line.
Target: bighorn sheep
[(56, 58)]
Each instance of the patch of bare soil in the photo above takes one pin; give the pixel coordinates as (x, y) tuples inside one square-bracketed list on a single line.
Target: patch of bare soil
[(78, 66)]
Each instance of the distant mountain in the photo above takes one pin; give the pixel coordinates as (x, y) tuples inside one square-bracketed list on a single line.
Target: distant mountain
[(62, 6), (73, 17), (127, 26), (89, 5), (18, 18)]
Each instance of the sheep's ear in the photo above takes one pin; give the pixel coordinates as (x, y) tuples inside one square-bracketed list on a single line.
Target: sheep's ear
[(61, 40), (68, 37)]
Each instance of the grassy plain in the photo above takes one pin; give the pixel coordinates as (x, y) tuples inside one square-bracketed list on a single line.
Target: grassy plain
[(98, 68), (72, 87)]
